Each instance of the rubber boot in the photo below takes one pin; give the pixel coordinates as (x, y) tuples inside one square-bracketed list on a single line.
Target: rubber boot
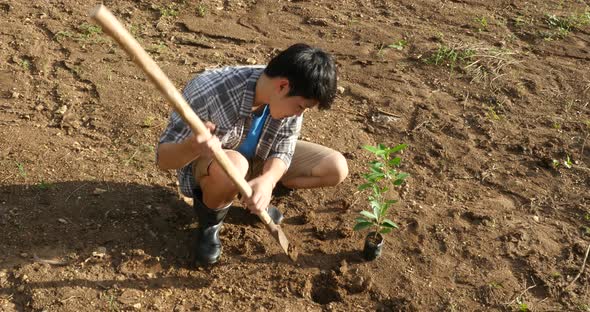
[(208, 249)]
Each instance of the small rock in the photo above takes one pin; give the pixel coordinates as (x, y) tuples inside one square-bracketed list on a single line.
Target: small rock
[(308, 216), (39, 107), (137, 306), (98, 191), (24, 255), (15, 95), (341, 89), (536, 218), (317, 21), (100, 252), (62, 221), (343, 267), (62, 110)]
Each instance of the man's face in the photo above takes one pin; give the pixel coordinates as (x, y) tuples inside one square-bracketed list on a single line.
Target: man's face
[(282, 106)]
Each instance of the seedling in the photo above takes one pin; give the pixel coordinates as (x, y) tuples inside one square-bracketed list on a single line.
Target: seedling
[(382, 174)]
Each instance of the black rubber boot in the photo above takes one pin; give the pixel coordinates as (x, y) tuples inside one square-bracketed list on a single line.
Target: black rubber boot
[(208, 249)]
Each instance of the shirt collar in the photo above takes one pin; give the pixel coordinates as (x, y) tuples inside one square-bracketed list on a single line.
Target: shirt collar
[(248, 99)]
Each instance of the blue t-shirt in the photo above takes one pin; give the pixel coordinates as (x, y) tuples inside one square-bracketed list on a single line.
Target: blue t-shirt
[(248, 147)]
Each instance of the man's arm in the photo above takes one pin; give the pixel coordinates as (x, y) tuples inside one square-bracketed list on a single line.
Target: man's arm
[(178, 155), (273, 170), (262, 186)]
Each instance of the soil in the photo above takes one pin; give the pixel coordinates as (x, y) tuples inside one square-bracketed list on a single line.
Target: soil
[(492, 98)]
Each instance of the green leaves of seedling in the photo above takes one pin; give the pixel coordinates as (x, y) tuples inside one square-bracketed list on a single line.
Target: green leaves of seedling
[(382, 173)]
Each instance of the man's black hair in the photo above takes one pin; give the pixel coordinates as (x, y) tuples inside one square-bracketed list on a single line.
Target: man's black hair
[(311, 73)]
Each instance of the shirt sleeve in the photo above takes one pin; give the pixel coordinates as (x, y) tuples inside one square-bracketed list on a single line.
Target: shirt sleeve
[(284, 145), (177, 130)]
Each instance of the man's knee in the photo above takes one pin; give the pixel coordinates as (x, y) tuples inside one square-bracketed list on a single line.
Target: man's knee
[(236, 159), (336, 169), (341, 168)]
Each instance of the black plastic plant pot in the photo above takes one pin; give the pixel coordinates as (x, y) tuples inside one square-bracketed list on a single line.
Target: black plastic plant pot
[(373, 245)]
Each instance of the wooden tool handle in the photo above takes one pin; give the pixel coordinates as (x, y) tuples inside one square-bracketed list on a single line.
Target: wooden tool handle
[(113, 27)]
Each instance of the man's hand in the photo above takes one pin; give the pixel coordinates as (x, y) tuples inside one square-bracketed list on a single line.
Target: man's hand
[(261, 194), (178, 155), (205, 143)]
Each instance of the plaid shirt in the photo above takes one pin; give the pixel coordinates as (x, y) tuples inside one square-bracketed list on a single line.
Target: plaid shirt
[(225, 97)]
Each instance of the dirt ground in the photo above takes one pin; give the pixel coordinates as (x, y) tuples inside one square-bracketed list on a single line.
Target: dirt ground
[(492, 98)]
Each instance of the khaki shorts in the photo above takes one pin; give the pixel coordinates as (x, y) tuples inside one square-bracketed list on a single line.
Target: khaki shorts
[(307, 155)]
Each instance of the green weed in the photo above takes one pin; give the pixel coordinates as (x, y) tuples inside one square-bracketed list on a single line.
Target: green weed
[(148, 121), (157, 48), (480, 63), (521, 21), (450, 56), (523, 307), (482, 23), (85, 33), (112, 301), (25, 64), (169, 10), (562, 25), (399, 45), (43, 186), (568, 162), (492, 115), (63, 34), (201, 10), (89, 30), (21, 169)]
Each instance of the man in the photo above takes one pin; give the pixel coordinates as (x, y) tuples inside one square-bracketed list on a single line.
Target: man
[(255, 115)]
